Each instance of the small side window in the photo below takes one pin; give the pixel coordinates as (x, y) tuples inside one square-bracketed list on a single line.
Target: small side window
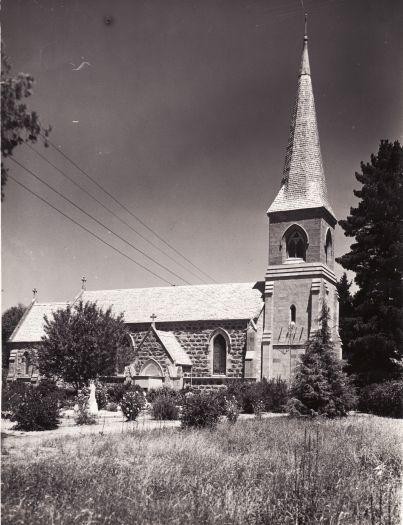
[(293, 314)]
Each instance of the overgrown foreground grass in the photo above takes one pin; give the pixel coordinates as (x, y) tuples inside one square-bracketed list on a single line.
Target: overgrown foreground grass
[(275, 471)]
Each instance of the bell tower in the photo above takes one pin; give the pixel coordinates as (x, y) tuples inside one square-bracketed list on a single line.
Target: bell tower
[(300, 274)]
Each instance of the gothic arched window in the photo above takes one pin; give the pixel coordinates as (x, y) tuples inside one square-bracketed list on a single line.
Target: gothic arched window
[(329, 247), (296, 245), (293, 314), (219, 355)]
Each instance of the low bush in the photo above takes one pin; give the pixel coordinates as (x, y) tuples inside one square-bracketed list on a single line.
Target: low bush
[(232, 409), (101, 395), (131, 404), (382, 399), (10, 396), (201, 410), (36, 410), (164, 391), (112, 407), (116, 391), (164, 407), (274, 394)]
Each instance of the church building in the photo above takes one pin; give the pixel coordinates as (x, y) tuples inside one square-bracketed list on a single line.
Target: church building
[(206, 335)]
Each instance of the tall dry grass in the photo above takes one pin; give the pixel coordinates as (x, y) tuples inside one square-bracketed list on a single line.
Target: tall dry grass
[(276, 471)]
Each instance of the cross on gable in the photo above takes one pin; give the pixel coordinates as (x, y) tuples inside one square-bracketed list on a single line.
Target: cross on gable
[(34, 291), (153, 317), (83, 280)]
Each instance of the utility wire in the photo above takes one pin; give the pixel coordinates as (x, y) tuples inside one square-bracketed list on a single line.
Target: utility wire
[(96, 220), (125, 207), (109, 210), (88, 231)]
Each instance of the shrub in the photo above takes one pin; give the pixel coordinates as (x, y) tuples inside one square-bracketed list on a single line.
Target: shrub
[(231, 410), (382, 399), (131, 404), (164, 407), (35, 410), (274, 394), (164, 391), (82, 415), (200, 410), (246, 394), (115, 392), (10, 397), (101, 395), (112, 407)]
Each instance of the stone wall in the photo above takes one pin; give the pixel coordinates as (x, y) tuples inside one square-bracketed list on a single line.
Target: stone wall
[(314, 222), (194, 337)]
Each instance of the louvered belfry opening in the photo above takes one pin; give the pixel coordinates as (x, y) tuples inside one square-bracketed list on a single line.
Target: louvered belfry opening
[(219, 355)]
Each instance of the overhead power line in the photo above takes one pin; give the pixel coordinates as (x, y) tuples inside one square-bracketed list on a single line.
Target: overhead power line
[(96, 220), (84, 190), (89, 231), (61, 152)]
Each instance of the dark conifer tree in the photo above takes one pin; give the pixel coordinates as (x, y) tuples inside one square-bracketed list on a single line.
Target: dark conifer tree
[(375, 349), (346, 313), (320, 386)]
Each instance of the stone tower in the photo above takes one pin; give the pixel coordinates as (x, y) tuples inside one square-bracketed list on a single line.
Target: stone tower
[(300, 274)]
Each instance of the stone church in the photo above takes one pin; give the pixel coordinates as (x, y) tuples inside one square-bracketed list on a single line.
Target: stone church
[(207, 335)]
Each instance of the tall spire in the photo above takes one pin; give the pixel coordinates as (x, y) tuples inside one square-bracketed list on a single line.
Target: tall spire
[(303, 184)]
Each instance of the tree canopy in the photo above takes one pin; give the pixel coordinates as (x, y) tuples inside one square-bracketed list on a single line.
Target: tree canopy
[(320, 385), (18, 125), (81, 343), (376, 257), (9, 321)]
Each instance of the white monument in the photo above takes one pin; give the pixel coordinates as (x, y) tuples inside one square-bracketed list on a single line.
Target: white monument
[(92, 402)]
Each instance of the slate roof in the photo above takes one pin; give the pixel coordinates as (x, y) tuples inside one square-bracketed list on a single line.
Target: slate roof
[(181, 303), (303, 184), (173, 347), (30, 328), (168, 303)]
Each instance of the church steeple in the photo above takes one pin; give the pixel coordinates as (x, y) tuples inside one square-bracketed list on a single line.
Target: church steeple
[(303, 184)]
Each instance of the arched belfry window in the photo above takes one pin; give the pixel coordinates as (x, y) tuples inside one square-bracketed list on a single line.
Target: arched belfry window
[(293, 314), (219, 355), (328, 247), (296, 243)]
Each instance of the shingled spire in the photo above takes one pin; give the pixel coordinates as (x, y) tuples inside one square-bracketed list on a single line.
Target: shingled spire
[(303, 184)]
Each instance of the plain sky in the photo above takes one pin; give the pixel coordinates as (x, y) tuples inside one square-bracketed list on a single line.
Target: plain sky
[(183, 114)]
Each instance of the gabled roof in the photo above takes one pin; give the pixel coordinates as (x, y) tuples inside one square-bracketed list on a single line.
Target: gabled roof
[(173, 347), (175, 303), (181, 303), (303, 184), (30, 329)]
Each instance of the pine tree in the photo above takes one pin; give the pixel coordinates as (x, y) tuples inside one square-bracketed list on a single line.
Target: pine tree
[(376, 257), (346, 313), (320, 386)]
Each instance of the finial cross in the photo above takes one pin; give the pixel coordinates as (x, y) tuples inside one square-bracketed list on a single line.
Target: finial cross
[(34, 291), (83, 280), (153, 317), (306, 25)]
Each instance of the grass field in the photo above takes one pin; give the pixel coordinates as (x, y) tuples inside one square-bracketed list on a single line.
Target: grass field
[(273, 471)]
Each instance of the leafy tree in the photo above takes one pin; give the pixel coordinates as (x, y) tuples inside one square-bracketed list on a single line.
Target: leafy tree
[(320, 386), (18, 125), (9, 321), (346, 313), (80, 343), (376, 257)]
